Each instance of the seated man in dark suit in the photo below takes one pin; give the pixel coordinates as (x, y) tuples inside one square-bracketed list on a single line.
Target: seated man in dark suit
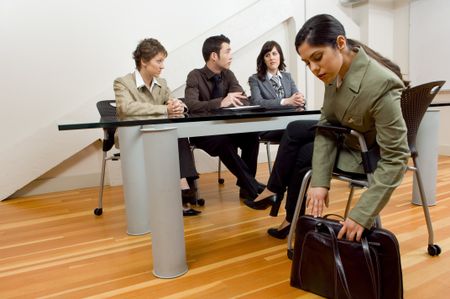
[(212, 87)]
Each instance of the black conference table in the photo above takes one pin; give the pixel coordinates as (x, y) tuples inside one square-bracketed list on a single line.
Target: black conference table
[(150, 169)]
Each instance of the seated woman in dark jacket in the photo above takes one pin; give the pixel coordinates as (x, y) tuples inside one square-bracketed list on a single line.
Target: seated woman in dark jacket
[(272, 86)]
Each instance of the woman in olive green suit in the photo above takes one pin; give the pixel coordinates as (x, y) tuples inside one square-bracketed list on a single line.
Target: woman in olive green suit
[(362, 92)]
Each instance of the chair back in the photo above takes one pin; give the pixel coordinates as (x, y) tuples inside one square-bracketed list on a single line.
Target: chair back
[(106, 109), (414, 103)]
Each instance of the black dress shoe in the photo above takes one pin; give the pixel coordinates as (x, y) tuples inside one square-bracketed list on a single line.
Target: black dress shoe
[(260, 204), (188, 196), (279, 234), (261, 187), (276, 205), (244, 194), (191, 212)]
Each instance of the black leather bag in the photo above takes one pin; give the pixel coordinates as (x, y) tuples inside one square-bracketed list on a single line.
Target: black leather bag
[(334, 268)]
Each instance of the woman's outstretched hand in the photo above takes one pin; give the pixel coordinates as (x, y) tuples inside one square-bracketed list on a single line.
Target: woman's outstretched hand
[(317, 198), (352, 230)]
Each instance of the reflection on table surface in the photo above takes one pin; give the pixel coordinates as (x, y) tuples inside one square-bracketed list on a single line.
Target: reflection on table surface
[(219, 114)]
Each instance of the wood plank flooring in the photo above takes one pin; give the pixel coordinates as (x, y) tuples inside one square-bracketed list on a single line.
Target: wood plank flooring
[(52, 246)]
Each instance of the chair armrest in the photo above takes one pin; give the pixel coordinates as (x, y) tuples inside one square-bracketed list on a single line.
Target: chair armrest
[(369, 157), (332, 128)]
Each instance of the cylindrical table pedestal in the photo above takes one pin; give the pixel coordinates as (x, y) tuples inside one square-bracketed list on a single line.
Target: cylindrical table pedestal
[(166, 214), (427, 147)]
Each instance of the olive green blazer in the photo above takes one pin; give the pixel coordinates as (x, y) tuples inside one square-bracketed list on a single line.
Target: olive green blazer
[(368, 101), (131, 100)]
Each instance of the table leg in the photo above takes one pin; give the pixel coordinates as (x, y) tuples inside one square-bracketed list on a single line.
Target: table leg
[(427, 147), (166, 214), (134, 180)]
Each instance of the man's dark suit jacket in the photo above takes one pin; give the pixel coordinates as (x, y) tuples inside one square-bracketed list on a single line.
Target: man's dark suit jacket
[(199, 86)]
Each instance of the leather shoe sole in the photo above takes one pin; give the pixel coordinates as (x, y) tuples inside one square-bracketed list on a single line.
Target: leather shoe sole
[(261, 204), (191, 212), (279, 234), (244, 194)]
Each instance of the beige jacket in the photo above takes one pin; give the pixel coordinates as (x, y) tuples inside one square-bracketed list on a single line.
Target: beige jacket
[(131, 100), (368, 101)]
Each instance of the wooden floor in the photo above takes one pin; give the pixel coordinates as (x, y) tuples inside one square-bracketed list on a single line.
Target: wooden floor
[(52, 246)]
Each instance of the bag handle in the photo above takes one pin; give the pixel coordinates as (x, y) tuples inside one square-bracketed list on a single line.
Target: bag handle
[(374, 276), (338, 262)]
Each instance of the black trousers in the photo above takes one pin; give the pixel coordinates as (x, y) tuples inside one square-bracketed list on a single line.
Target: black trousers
[(187, 163), (226, 147), (272, 136), (294, 158)]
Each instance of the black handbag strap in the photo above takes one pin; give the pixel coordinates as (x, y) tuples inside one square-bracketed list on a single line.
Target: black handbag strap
[(374, 276), (338, 262)]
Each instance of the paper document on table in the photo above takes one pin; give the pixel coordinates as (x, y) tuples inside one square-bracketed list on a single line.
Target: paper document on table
[(243, 107)]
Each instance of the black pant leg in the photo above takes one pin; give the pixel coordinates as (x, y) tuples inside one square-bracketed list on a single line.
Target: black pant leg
[(249, 145), (297, 134), (187, 163), (224, 147), (302, 165)]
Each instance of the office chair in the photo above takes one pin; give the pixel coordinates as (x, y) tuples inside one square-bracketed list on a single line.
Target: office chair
[(268, 143), (106, 109), (414, 103)]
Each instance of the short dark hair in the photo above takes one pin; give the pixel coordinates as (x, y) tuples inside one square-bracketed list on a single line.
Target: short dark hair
[(146, 50), (261, 67), (212, 45)]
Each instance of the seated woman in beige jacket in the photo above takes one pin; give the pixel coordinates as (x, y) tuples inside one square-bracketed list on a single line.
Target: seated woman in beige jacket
[(144, 93)]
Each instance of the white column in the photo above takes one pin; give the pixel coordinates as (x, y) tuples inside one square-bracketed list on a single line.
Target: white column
[(134, 180), (162, 169), (427, 161)]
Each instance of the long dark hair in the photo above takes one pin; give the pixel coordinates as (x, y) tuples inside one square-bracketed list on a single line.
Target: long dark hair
[(323, 30), (261, 67)]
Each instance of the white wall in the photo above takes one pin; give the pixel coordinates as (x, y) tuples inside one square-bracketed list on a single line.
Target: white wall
[(429, 41), (401, 35)]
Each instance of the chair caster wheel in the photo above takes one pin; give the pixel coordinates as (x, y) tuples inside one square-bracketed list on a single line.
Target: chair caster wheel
[(290, 254), (221, 181), (201, 202), (98, 211), (434, 250)]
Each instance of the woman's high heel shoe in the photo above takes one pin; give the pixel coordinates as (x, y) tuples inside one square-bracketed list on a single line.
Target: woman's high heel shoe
[(260, 204), (279, 234), (276, 205)]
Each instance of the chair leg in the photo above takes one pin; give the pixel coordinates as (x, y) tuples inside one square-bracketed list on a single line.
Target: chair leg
[(220, 180), (301, 197), (349, 200), (431, 245), (99, 210), (269, 157), (378, 221)]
